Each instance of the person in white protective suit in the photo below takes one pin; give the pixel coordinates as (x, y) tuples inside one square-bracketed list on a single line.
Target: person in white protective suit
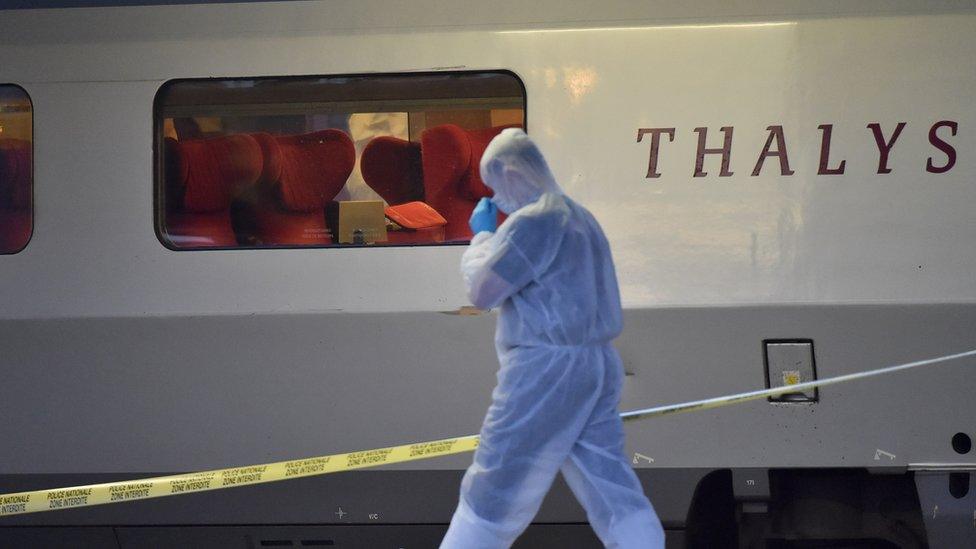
[(555, 406)]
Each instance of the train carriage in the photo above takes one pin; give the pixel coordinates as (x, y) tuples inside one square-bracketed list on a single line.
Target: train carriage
[(230, 234)]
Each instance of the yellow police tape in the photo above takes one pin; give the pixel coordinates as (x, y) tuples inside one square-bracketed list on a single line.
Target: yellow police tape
[(115, 492), (131, 490)]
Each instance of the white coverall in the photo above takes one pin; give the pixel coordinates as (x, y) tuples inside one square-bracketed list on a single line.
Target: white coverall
[(555, 405)]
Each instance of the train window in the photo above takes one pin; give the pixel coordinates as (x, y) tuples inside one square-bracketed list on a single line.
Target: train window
[(16, 168), (364, 160)]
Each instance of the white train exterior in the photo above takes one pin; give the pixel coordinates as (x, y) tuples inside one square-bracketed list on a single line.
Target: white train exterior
[(840, 212)]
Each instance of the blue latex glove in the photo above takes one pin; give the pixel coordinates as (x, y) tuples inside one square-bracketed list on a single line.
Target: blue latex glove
[(484, 217)]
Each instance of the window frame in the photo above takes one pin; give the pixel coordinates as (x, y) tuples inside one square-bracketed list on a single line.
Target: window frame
[(158, 144)]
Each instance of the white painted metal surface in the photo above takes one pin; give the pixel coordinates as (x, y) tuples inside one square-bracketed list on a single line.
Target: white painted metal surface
[(593, 78)]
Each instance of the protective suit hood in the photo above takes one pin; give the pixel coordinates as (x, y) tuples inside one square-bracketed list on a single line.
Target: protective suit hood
[(514, 168)]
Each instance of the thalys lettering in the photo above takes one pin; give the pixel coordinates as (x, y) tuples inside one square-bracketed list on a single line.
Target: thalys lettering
[(940, 159)]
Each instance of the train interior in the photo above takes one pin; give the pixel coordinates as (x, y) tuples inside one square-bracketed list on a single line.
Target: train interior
[(336, 161)]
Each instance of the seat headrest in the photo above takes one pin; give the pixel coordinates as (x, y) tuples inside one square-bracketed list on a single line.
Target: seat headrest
[(208, 173), (313, 168), (454, 154), (392, 168)]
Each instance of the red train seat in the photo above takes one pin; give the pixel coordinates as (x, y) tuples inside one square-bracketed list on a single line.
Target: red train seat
[(203, 177), (452, 173), (391, 167), (448, 176), (15, 194), (301, 174)]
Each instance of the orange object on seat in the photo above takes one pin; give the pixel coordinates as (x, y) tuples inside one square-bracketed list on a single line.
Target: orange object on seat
[(415, 215), (301, 174), (421, 224), (16, 217), (203, 176)]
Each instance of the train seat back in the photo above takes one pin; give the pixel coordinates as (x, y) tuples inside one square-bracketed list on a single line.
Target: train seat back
[(392, 168), (204, 176), (447, 176), (15, 194), (301, 175)]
